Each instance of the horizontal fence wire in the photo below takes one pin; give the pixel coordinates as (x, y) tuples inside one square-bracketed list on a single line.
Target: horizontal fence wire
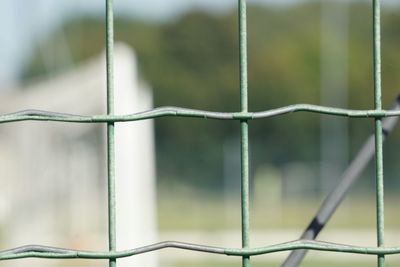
[(41, 115), (244, 116), (37, 251)]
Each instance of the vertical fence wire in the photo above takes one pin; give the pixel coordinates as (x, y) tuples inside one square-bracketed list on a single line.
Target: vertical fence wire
[(110, 129), (244, 130), (378, 129)]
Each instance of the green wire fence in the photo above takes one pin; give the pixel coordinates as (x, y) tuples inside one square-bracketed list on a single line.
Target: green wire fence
[(243, 117)]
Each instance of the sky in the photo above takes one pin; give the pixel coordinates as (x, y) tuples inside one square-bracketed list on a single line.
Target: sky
[(24, 22)]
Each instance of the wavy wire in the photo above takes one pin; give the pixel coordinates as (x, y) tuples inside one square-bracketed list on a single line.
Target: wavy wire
[(41, 115), (37, 251)]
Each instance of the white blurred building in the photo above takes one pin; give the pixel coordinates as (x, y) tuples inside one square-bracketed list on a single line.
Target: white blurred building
[(54, 174)]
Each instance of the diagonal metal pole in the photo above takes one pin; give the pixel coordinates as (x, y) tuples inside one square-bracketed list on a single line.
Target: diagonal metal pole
[(337, 195)]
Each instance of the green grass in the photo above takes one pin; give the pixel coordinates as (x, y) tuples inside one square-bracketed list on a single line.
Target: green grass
[(186, 210), (210, 212)]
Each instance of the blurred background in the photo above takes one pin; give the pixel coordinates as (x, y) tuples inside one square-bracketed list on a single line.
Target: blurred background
[(185, 53)]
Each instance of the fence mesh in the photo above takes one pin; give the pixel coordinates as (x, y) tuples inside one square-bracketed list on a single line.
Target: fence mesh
[(243, 117)]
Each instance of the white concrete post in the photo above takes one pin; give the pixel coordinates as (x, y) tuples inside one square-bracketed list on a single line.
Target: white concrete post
[(134, 159)]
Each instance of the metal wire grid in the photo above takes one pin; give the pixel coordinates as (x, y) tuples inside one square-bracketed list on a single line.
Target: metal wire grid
[(244, 116)]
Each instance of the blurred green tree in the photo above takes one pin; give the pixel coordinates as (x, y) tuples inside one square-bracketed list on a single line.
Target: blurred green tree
[(193, 62)]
